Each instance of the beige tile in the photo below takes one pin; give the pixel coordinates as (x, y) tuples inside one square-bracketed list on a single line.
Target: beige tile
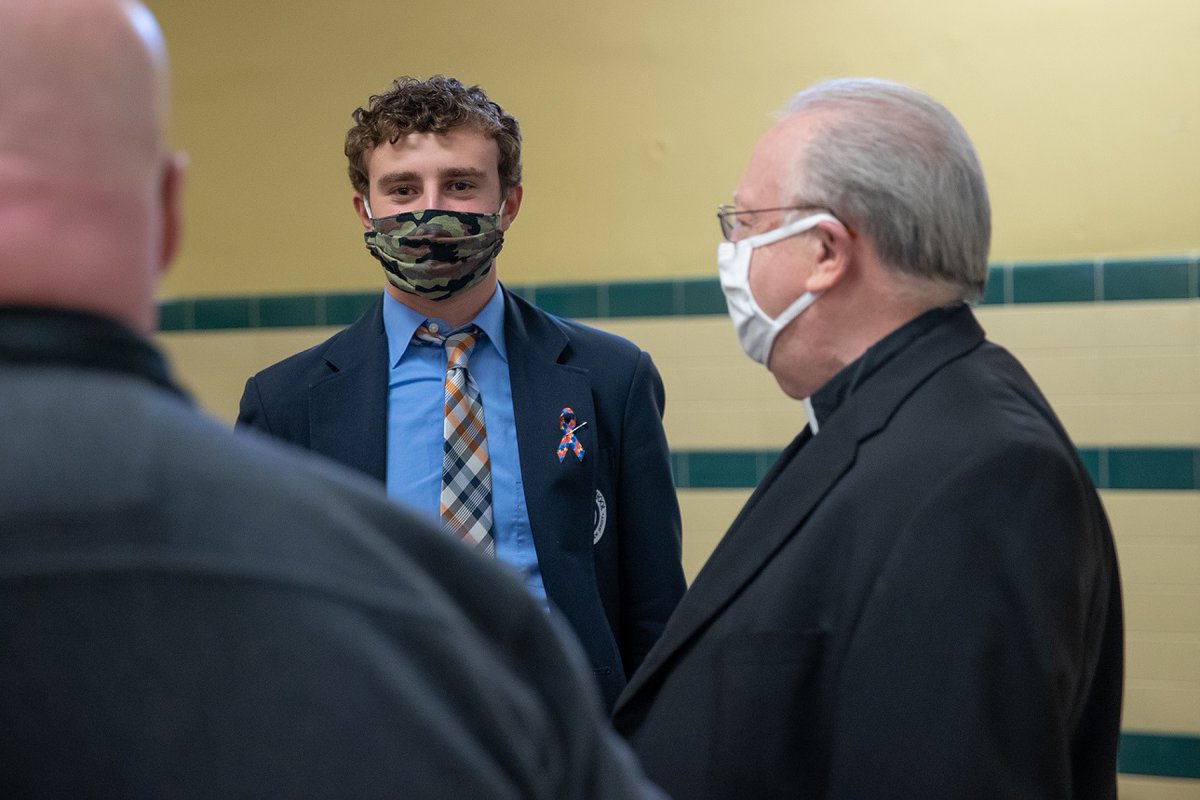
[(1134, 514), (1161, 706), (706, 515), (1141, 787), (1024, 328), (214, 365), (743, 426), (1130, 421), (1069, 373), (1091, 372), (1159, 561), (1167, 657), (1153, 608), (1167, 371), (1117, 374)]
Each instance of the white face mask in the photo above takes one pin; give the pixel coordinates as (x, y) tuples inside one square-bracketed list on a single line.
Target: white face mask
[(755, 330)]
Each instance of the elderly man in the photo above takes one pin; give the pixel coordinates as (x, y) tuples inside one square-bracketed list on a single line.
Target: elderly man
[(192, 614), (920, 600)]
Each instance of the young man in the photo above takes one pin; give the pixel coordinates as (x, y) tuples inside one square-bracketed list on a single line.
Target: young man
[(545, 448)]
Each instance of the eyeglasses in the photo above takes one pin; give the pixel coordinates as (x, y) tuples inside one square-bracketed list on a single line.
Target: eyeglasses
[(733, 218)]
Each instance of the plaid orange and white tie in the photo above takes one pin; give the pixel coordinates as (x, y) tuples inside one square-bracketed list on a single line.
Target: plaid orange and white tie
[(466, 501)]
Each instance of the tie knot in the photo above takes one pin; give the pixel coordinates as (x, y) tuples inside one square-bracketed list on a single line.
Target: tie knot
[(458, 345)]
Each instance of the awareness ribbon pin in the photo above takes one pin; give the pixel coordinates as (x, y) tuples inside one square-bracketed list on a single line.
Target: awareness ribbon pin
[(566, 422)]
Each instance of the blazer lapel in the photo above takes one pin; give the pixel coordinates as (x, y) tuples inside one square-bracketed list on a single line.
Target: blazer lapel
[(801, 477), (348, 408), (804, 474)]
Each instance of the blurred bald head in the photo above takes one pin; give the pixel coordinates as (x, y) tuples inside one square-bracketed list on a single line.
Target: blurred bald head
[(88, 192)]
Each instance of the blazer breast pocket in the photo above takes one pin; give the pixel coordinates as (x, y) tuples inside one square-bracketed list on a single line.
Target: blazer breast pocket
[(780, 647), (768, 700)]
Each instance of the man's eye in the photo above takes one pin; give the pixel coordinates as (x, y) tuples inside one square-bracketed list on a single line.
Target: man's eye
[(459, 186)]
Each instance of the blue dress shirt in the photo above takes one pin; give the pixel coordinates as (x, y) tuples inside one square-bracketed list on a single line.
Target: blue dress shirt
[(416, 393)]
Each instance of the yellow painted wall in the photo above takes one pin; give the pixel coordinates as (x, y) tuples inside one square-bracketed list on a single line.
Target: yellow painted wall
[(638, 117)]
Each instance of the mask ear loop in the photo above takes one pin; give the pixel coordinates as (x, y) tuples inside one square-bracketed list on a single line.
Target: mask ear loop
[(778, 234), (791, 229)]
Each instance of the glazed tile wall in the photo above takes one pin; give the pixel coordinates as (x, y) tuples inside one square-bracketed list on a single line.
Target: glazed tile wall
[(1115, 345)]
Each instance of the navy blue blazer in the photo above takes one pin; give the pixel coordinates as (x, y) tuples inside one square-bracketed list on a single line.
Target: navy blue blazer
[(606, 529)]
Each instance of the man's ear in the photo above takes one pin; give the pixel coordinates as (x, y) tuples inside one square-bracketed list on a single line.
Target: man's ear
[(170, 198), (360, 208), (835, 247), (512, 204)]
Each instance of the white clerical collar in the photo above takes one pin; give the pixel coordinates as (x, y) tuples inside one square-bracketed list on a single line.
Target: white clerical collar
[(812, 415)]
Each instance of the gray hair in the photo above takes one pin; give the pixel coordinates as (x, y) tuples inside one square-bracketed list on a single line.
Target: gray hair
[(894, 163)]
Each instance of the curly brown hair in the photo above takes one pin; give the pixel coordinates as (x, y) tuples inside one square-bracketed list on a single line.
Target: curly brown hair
[(436, 105)]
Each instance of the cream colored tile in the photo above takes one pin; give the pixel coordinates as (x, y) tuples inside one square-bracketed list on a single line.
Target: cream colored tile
[(1133, 372), (1149, 560), (1156, 609), (707, 514), (745, 426), (214, 365), (669, 338), (1163, 657), (1166, 371), (1032, 327), (1023, 328), (1153, 514), (1161, 706), (1130, 421), (1161, 323), (1141, 787), (716, 397), (1137, 387)]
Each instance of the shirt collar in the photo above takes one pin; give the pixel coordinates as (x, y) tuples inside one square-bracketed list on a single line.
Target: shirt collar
[(826, 400), (30, 335), (400, 323)]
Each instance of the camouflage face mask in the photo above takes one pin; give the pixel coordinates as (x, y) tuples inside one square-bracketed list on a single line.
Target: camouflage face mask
[(435, 254)]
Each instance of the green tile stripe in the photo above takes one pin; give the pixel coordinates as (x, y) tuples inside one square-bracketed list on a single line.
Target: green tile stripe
[(1113, 468), (1160, 755), (1097, 281), (275, 311)]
